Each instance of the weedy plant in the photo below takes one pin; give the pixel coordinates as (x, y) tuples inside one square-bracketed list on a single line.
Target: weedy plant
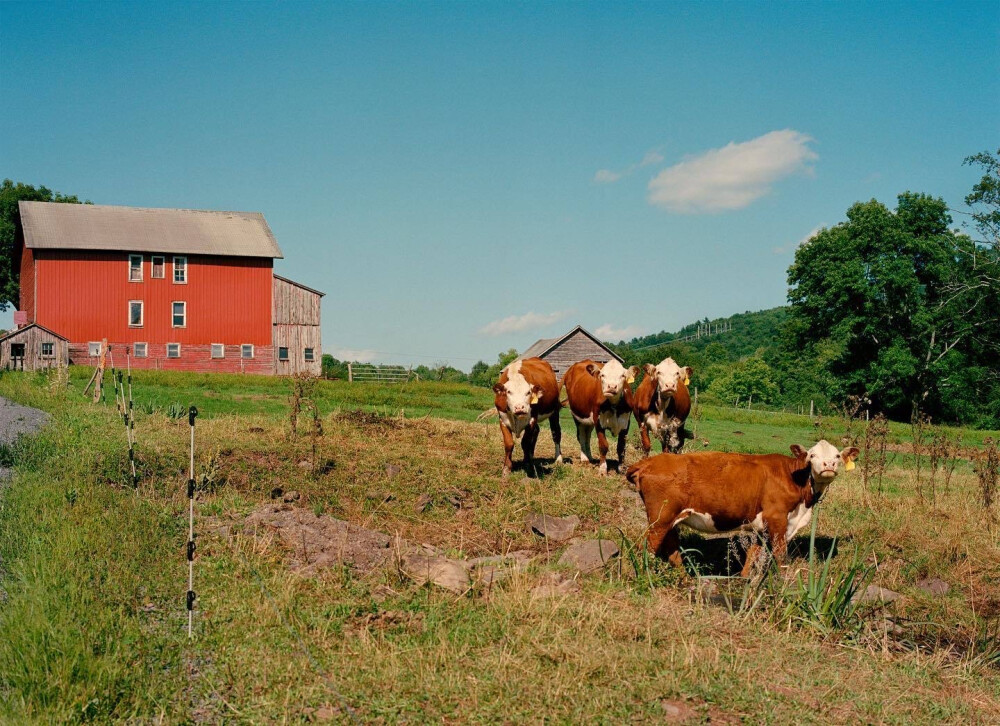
[(176, 410), (874, 445), (987, 468)]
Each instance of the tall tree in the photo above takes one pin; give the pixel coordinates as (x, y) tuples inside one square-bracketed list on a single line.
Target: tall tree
[(10, 226), (887, 295)]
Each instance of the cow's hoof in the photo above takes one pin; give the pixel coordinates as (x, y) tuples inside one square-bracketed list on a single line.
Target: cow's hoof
[(505, 473), (603, 469), (558, 459)]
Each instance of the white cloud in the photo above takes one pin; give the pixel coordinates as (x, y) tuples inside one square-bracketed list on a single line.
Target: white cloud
[(791, 246), (610, 333), (354, 355), (731, 177), (520, 323), (609, 176)]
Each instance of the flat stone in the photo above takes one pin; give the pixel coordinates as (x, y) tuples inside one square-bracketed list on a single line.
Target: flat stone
[(876, 594), (934, 586), (292, 496), (392, 470), (450, 574), (423, 501), (590, 555), (556, 529), (554, 586)]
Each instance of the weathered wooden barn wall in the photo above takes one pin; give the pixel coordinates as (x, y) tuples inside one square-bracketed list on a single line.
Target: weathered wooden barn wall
[(296, 318), (32, 338), (575, 348)]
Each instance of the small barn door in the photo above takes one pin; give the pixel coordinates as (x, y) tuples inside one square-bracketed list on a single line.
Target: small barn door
[(17, 356)]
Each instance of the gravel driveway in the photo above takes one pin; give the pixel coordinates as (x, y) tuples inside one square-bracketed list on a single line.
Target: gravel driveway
[(15, 420)]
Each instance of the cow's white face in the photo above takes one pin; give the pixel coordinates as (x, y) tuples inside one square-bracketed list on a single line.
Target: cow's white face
[(520, 394), (614, 377), (669, 376), (825, 459)]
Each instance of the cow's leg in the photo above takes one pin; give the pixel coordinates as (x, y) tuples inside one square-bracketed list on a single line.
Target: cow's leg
[(644, 438), (528, 447), (676, 440), (556, 435), (664, 541), (583, 436), (753, 553), (602, 448), (776, 526), (622, 436), (508, 449)]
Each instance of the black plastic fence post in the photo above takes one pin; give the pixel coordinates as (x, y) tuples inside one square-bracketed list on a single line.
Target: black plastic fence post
[(192, 413)]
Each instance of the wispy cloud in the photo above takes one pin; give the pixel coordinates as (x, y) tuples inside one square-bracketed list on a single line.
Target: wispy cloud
[(613, 334), (733, 176), (520, 323), (354, 355), (609, 176), (792, 246)]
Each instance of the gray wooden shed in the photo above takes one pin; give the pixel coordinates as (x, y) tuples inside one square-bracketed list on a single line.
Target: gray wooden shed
[(33, 347), (577, 345)]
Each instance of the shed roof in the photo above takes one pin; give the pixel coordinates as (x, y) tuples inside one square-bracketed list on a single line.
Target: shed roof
[(539, 348), (29, 326), (299, 284), (56, 226)]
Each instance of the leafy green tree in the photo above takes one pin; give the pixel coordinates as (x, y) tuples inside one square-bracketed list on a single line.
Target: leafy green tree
[(10, 231), (887, 295), (333, 368), (985, 197), (749, 379), (486, 376)]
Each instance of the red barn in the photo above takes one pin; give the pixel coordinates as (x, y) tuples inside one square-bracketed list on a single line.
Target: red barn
[(183, 289)]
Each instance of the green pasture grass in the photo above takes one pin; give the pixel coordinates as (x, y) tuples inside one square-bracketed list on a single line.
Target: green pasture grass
[(94, 628)]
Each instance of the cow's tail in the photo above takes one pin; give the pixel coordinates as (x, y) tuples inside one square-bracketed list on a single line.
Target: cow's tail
[(487, 414)]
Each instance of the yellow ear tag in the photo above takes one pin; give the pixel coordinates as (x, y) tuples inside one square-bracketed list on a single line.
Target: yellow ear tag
[(687, 381), (630, 379), (849, 465), (534, 398)]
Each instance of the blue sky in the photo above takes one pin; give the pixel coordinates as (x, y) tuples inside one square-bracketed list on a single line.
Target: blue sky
[(464, 178)]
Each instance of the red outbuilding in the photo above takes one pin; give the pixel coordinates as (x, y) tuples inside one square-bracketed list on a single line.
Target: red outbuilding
[(182, 289)]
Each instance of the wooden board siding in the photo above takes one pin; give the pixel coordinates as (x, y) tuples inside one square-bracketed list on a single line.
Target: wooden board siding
[(27, 283), (32, 337), (575, 348), (197, 358), (297, 338), (294, 305), (84, 296)]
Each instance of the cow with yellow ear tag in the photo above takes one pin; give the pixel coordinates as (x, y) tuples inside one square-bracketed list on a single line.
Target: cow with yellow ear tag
[(662, 405), (600, 396), (527, 394)]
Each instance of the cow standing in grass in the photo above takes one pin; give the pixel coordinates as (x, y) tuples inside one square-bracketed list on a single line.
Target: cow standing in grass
[(717, 492), (526, 394), (662, 404), (600, 397)]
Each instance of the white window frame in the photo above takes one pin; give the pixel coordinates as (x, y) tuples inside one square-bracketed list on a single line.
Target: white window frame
[(309, 354), (283, 348), (184, 266), (178, 350), (41, 349), (222, 351), (145, 350), (142, 314), (92, 346), (135, 257), (172, 314), (244, 351), (152, 267)]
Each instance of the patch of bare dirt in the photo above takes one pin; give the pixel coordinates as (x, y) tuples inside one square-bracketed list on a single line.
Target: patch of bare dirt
[(367, 419)]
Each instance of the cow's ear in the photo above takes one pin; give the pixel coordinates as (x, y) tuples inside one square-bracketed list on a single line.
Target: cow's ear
[(593, 370), (849, 455), (687, 371), (631, 373), (498, 389), (798, 452), (536, 394), (650, 370)]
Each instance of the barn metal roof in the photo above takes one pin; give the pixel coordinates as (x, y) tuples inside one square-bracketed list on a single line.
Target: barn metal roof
[(540, 347), (56, 226)]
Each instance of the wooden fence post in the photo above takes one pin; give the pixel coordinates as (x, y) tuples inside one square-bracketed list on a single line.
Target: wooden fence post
[(350, 373)]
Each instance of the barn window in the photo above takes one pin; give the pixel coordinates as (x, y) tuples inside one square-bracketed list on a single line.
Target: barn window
[(309, 354), (135, 268), (218, 350), (282, 353), (159, 266), (140, 350), (180, 270), (48, 350), (93, 349), (173, 350), (246, 351), (135, 313), (179, 315)]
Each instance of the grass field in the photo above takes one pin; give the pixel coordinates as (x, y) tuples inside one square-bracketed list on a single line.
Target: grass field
[(93, 627)]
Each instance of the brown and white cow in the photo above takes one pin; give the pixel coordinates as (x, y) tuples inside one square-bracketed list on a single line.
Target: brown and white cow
[(716, 492), (662, 404), (526, 394), (600, 397)]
